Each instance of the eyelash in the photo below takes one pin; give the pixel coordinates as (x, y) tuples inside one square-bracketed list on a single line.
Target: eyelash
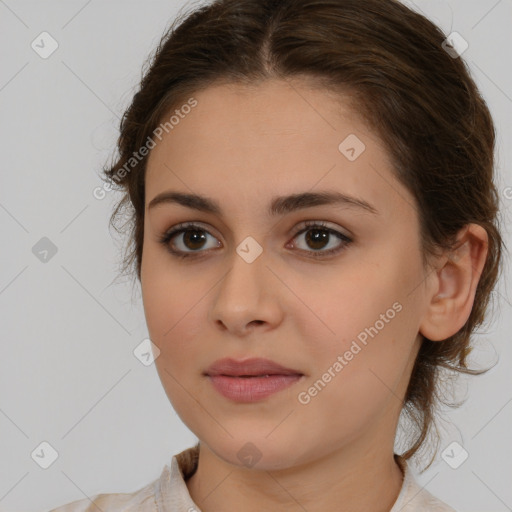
[(308, 225)]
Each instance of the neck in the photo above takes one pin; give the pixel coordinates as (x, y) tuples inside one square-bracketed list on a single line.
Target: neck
[(347, 479)]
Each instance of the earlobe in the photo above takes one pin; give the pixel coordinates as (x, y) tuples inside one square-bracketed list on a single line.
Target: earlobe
[(454, 284)]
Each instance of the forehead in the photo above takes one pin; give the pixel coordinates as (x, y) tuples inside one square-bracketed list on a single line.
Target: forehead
[(278, 137), (269, 115)]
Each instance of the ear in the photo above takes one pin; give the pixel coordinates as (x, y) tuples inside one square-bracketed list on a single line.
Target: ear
[(452, 285)]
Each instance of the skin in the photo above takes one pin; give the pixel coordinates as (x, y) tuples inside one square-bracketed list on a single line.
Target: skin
[(242, 146)]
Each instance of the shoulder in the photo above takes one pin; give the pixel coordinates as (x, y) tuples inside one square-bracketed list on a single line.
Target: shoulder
[(414, 498), (422, 500), (169, 489), (143, 500)]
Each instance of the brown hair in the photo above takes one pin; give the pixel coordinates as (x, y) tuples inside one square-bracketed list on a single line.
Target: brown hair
[(390, 61)]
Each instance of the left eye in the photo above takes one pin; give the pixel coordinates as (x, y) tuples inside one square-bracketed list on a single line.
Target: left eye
[(193, 238), (318, 237)]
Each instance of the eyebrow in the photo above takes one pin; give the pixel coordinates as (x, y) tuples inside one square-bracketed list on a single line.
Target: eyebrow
[(280, 205)]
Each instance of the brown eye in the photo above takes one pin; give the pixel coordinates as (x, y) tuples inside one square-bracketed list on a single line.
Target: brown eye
[(318, 237), (193, 239), (187, 239)]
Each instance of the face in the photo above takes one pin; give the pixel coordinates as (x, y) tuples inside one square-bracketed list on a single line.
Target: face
[(339, 299)]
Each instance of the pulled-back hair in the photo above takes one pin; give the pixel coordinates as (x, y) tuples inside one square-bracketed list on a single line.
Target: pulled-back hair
[(390, 62)]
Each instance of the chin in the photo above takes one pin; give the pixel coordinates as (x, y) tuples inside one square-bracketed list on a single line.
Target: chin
[(257, 454)]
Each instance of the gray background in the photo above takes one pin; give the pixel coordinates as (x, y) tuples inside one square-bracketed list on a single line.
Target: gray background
[(68, 375)]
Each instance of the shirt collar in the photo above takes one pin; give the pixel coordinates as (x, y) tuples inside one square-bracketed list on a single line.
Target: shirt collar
[(171, 491), (172, 495)]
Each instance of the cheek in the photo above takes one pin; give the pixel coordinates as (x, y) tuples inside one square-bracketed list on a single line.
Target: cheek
[(364, 311), (172, 303), (172, 318), (343, 303), (174, 315), (360, 373)]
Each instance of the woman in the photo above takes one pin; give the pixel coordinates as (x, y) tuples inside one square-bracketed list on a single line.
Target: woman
[(310, 185)]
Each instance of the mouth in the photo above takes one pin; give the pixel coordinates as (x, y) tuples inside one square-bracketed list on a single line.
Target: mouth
[(252, 388), (249, 368), (250, 380), (255, 376)]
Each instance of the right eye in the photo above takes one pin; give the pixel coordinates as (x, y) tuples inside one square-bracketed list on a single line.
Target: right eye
[(190, 237)]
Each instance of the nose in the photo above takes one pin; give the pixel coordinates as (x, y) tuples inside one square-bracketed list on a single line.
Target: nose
[(248, 296)]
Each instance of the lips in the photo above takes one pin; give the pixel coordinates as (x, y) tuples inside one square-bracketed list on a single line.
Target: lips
[(250, 380), (248, 368)]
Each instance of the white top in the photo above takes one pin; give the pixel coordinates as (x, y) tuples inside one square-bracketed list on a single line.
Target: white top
[(169, 493)]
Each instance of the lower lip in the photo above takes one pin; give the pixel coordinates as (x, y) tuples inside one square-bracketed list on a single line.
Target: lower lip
[(251, 389)]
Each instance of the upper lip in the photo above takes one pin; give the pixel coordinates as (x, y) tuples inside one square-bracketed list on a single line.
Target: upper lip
[(253, 366)]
